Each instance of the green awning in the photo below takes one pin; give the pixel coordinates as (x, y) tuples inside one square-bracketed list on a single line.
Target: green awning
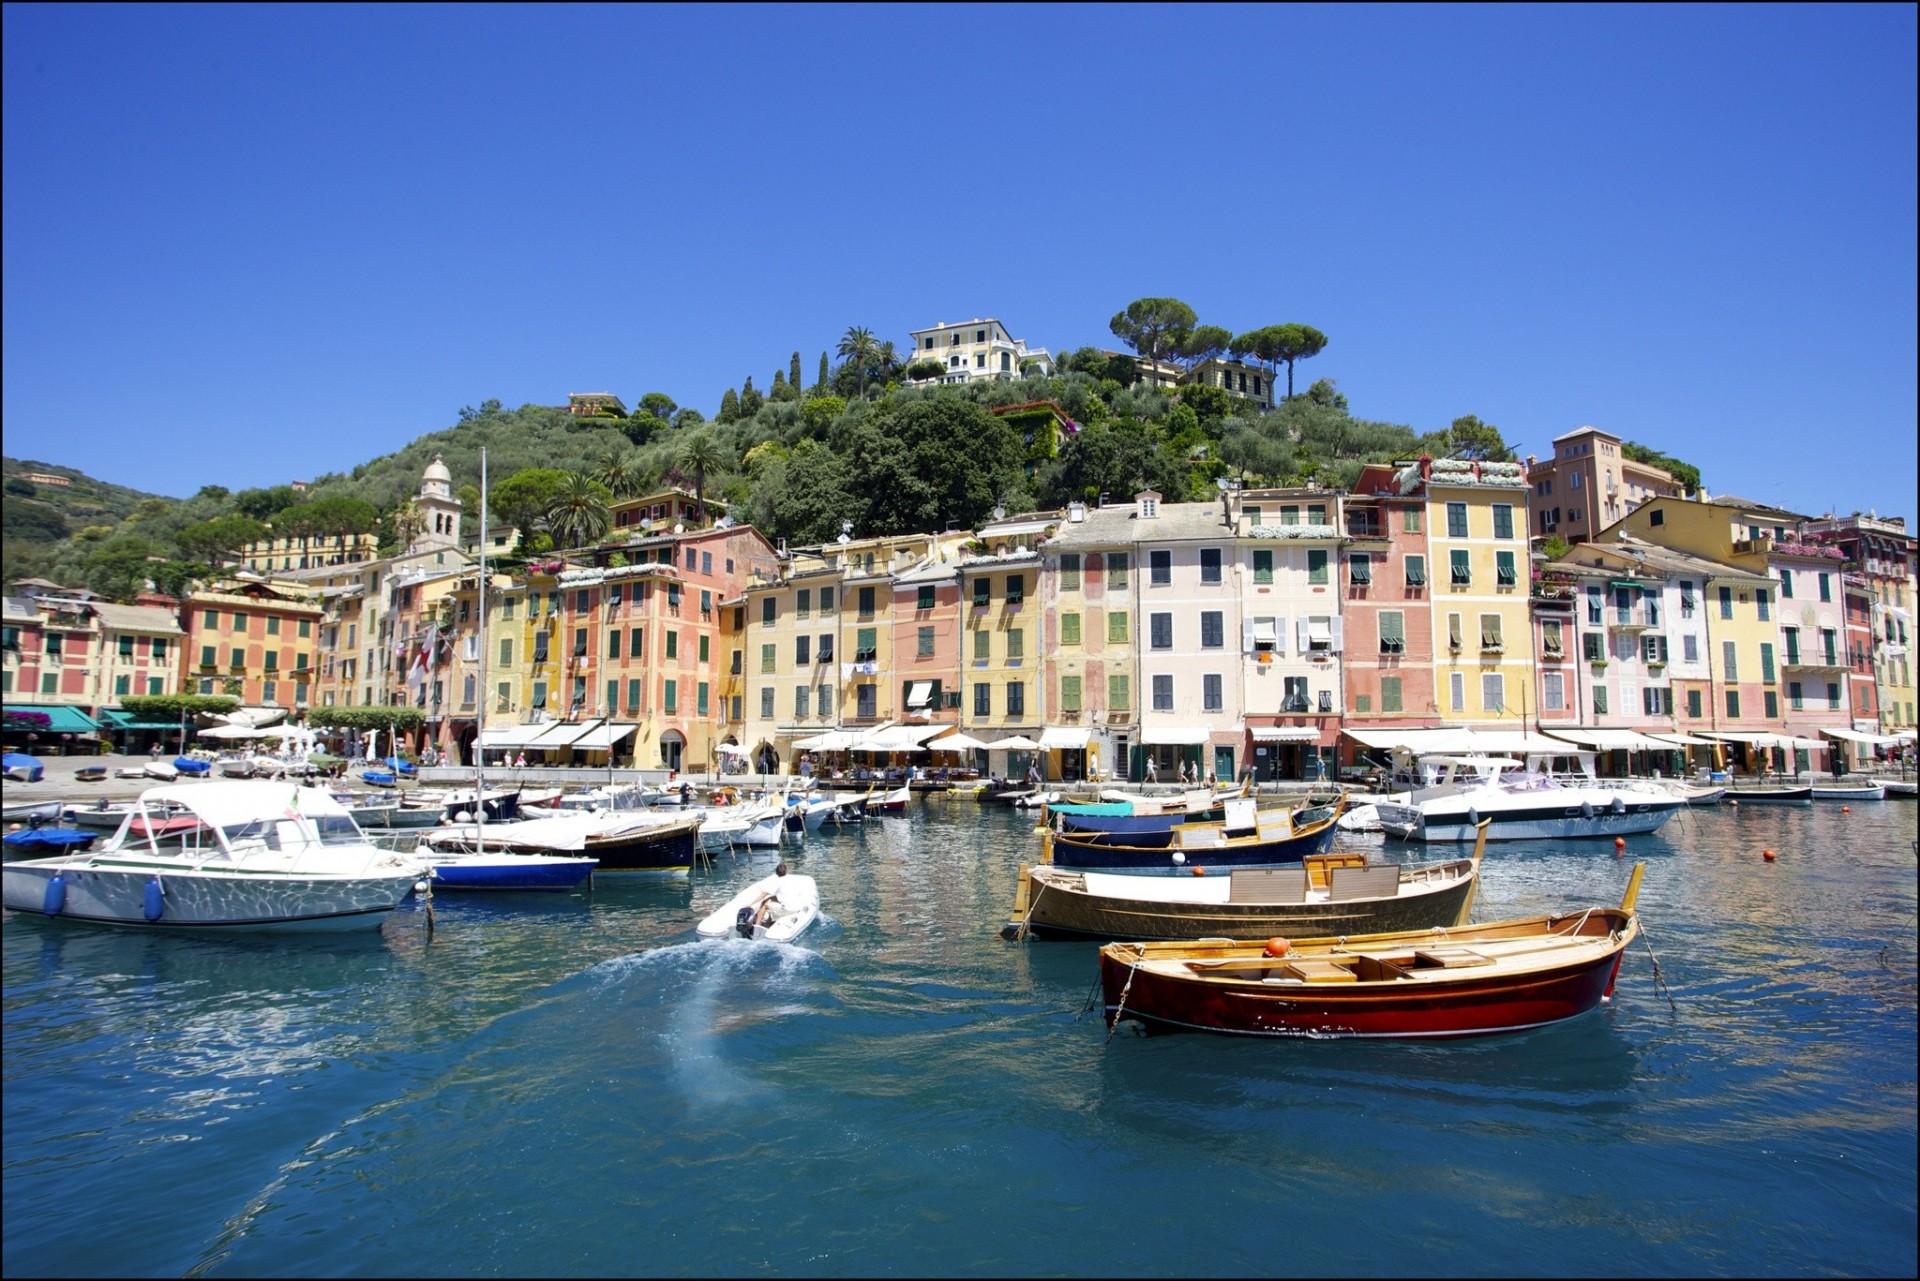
[(64, 720)]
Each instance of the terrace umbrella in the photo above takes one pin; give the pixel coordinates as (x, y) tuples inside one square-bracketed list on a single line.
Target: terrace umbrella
[(955, 742), (1015, 744)]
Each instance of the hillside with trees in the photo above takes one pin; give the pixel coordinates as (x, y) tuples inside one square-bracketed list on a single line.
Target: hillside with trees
[(875, 441)]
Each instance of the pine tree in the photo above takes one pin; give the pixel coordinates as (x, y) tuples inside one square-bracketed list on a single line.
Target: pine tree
[(729, 406)]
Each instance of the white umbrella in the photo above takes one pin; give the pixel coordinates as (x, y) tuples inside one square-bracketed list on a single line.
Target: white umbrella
[(231, 731), (954, 743), (731, 749), (1014, 744)]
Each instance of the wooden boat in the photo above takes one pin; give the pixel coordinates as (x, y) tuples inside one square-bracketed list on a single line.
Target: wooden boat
[(1327, 894), (1477, 980), (1875, 791), (1771, 795), (894, 802), (795, 900), (90, 774), (1248, 838)]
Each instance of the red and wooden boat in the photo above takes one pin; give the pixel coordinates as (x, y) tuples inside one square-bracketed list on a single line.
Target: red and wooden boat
[(1475, 980), (894, 802)]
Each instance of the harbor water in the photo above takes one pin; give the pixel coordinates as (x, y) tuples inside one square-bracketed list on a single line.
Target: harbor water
[(573, 1086)]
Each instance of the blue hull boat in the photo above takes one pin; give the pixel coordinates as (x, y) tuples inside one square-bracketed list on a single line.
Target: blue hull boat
[(524, 872), (1191, 848)]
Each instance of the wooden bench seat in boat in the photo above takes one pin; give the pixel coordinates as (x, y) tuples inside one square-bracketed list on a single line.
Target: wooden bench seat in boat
[(1382, 881), (1267, 885)]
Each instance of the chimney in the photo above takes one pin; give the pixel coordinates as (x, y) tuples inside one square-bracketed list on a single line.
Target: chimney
[(1076, 512)]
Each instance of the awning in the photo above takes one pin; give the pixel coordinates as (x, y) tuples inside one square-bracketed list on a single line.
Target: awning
[(1515, 741), (834, 740), (1773, 740), (1285, 734), (114, 719), (1175, 735), (1855, 736), (563, 734), (513, 736), (602, 738), (1056, 737), (1684, 740), (1018, 743), (1611, 740), (919, 694), (1413, 740), (1811, 744), (955, 743), (61, 720), (1264, 630)]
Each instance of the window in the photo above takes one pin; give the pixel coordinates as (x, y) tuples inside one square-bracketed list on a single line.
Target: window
[(1016, 699), (866, 645), (1016, 589), (673, 644), (1117, 568), (1016, 646), (1209, 564), (1416, 571), (1360, 571), (1410, 522), (1729, 661), (1119, 627), (1251, 512), (866, 602), (1599, 700), (924, 598), (1070, 571), (1462, 567), (824, 650), (1456, 520), (1159, 568), (802, 650), (239, 657), (801, 693), (613, 642), (1770, 700), (1833, 696), (982, 592), (1596, 606), (1593, 647), (1553, 691), (1119, 693), (1826, 585), (1262, 566), (1316, 566), (1690, 648), (1733, 704), (539, 694), (1212, 633), (767, 659), (1163, 693), (211, 621), (982, 651), (983, 700), (1490, 637), (704, 648), (925, 642), (1656, 701), (1766, 661), (1393, 633), (633, 695), (1290, 514), (1550, 640), (766, 703), (767, 612), (121, 684), (1294, 694), (1786, 583), (1794, 695), (1069, 693), (1505, 573), (1502, 520), (823, 699), (1389, 694), (1792, 637), (206, 656), (670, 697), (1069, 629), (1726, 602), (1686, 600), (1695, 708), (1211, 699), (637, 643), (1653, 649), (1456, 633), (506, 615), (1160, 628), (1761, 601), (159, 651)]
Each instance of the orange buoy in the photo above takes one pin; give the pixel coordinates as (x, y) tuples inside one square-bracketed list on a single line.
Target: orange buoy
[(1278, 947), (1846, 809), (1767, 855), (1733, 802), (1199, 871), (1619, 842)]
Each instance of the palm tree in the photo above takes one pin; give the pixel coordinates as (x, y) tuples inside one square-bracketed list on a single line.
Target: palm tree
[(579, 515), (700, 454), (619, 471), (859, 347)]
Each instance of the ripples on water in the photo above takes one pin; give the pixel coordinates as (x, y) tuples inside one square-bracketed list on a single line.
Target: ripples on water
[(572, 1086)]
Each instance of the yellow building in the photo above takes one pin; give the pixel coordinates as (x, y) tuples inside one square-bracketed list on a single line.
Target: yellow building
[(1002, 633), (1475, 514)]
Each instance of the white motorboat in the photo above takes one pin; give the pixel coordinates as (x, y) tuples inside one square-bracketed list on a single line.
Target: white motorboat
[(1523, 805), (1037, 800), (161, 770), (258, 856), (1850, 791), (759, 826), (777, 909)]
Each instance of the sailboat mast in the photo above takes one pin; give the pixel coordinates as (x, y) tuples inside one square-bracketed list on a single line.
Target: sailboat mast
[(480, 694)]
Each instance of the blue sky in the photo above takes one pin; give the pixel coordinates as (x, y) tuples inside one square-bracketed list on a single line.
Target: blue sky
[(246, 245)]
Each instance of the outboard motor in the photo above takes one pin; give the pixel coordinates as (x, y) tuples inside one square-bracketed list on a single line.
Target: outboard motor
[(745, 922)]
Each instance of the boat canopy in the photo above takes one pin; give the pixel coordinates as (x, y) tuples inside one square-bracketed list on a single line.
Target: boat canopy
[(227, 802)]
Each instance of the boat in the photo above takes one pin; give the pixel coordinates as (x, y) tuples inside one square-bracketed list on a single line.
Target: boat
[(377, 777), (186, 766), (166, 771), (1248, 837), (28, 811), (21, 768), (795, 900), (90, 774), (894, 802), (621, 841), (1771, 795), (1037, 800), (1875, 791), (501, 871), (1704, 795), (260, 856), (392, 815), (38, 841), (1901, 791), (234, 767), (131, 771), (1523, 804), (1131, 825), (1327, 894), (1474, 980), (757, 826)]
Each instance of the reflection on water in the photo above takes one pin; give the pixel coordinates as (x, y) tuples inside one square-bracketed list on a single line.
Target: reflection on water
[(572, 1084)]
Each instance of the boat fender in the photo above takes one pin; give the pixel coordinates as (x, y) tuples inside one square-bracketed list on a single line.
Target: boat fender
[(1586, 809), (1473, 816), (156, 900), (55, 901), (1619, 805), (1178, 857)]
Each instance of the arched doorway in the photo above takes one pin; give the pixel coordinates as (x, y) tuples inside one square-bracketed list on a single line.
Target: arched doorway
[(673, 749), (766, 760)]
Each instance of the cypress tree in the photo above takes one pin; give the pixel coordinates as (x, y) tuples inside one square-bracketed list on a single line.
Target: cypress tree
[(793, 372), (826, 372), (729, 406)]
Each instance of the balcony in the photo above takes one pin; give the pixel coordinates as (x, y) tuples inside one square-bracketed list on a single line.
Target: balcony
[(1813, 662), (1631, 620)]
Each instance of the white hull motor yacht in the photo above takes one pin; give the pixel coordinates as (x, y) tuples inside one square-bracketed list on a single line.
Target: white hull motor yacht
[(1523, 806), (262, 856)]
